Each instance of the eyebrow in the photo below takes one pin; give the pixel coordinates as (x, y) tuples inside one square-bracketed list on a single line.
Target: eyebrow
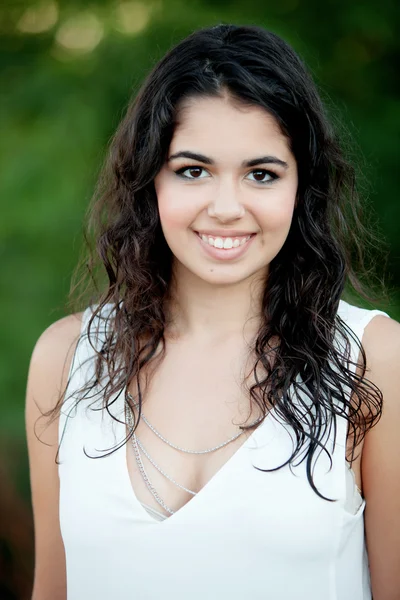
[(262, 160)]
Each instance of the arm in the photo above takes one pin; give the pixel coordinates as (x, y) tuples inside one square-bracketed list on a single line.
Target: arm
[(380, 462), (48, 374)]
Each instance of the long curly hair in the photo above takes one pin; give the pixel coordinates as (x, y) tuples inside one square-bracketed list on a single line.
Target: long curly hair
[(321, 258)]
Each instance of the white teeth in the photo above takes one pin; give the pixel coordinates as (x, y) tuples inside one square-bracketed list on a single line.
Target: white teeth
[(226, 243)]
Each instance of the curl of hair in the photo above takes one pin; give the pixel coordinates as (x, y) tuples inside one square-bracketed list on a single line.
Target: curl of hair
[(322, 253)]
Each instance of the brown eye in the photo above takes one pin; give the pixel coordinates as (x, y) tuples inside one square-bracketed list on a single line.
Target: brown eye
[(194, 172), (261, 174)]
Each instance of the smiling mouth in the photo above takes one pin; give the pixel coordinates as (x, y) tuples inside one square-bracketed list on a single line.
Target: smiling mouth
[(224, 243)]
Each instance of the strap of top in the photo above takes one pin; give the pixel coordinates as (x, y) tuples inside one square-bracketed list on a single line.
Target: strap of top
[(357, 319)]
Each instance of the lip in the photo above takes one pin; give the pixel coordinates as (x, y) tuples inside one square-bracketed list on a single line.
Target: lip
[(220, 253), (224, 233)]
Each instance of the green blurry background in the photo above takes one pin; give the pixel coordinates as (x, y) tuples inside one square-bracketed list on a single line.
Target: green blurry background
[(67, 71)]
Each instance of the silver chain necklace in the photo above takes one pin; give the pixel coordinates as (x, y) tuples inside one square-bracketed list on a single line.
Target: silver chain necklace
[(136, 444), (234, 437), (147, 481), (139, 443)]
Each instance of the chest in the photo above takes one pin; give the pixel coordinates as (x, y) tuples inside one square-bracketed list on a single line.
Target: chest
[(277, 508), (196, 401)]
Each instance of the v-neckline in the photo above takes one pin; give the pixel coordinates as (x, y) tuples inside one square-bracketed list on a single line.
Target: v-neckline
[(176, 516)]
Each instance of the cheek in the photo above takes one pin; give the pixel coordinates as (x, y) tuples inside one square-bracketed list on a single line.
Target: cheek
[(176, 209), (276, 216)]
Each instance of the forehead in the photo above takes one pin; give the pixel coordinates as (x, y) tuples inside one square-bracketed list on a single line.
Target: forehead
[(223, 127)]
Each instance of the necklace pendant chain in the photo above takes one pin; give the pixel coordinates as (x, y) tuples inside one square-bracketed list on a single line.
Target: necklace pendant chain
[(147, 481), (136, 443), (160, 470), (207, 451)]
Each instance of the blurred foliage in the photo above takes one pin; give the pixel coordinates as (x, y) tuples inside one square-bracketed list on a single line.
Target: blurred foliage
[(16, 529), (67, 70)]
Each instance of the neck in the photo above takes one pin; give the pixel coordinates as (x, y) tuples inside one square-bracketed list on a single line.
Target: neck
[(206, 311)]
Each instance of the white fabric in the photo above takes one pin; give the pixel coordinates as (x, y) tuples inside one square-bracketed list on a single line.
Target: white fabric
[(246, 534)]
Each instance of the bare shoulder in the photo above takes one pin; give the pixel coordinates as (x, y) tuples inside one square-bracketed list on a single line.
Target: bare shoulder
[(56, 342), (381, 341), (381, 458), (52, 355), (62, 330)]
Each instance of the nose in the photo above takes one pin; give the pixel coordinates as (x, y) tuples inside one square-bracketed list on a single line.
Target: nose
[(225, 204)]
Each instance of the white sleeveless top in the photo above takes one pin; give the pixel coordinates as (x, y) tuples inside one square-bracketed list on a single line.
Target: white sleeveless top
[(246, 534)]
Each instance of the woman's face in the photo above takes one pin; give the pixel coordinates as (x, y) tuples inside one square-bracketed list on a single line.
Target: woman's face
[(229, 175)]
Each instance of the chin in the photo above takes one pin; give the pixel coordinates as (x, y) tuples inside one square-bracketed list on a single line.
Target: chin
[(215, 275)]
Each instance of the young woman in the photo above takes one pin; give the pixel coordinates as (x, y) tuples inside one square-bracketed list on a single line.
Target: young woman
[(223, 424)]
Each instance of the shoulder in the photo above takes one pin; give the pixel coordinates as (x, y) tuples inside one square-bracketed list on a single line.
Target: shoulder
[(52, 355), (381, 341), (63, 331)]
